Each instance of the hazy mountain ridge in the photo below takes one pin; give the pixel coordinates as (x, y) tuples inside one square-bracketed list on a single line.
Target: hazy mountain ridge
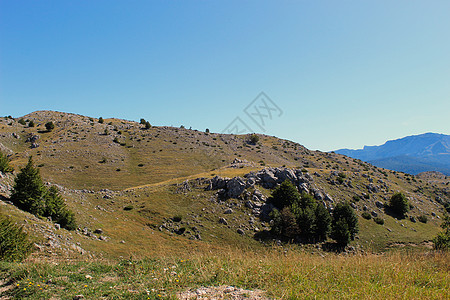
[(411, 154)]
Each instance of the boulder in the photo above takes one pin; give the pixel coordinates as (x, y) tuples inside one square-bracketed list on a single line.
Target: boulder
[(217, 183), (317, 194), (379, 204), (266, 209), (235, 187), (223, 221), (328, 198), (228, 211), (267, 178), (303, 187), (285, 174)]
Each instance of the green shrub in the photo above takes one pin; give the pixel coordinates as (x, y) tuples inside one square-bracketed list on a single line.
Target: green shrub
[(253, 139), (422, 218), (100, 120), (148, 125), (442, 240), (128, 207), (379, 220), (4, 164), (49, 126), (22, 122), (366, 215), (177, 218), (31, 124), (399, 204), (14, 242)]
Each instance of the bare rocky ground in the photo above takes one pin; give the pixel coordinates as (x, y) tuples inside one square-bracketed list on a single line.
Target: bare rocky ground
[(221, 292)]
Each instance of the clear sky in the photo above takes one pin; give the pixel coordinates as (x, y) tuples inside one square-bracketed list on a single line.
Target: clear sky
[(343, 73)]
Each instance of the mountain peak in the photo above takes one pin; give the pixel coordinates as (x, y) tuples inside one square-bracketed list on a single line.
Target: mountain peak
[(412, 154)]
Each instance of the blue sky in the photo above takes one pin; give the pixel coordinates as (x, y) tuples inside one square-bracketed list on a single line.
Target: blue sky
[(344, 73)]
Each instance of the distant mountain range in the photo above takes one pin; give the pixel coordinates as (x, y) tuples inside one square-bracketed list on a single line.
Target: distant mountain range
[(412, 154)]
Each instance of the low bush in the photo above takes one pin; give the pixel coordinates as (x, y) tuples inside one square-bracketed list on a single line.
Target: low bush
[(177, 218), (366, 215), (14, 242), (422, 218), (128, 207), (379, 220)]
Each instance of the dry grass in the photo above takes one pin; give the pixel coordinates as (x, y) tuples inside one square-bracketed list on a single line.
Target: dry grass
[(290, 275)]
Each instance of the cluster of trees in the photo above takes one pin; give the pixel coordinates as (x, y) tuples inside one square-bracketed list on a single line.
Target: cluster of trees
[(146, 124), (30, 194), (24, 122), (301, 217), (49, 125)]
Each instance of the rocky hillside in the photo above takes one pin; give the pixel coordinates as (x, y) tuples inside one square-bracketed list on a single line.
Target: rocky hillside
[(138, 192)]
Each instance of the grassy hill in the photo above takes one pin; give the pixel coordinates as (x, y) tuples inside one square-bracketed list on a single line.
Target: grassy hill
[(139, 193)]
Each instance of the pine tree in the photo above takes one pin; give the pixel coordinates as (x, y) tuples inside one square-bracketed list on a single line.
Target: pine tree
[(323, 221), (285, 195), (344, 226), (56, 208), (4, 164), (399, 204), (29, 191), (49, 126)]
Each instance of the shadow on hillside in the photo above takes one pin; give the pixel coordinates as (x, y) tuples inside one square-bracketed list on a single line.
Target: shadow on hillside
[(388, 211), (333, 247), (264, 236), (267, 236)]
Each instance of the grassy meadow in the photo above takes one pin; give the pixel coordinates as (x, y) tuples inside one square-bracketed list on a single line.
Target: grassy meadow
[(280, 274)]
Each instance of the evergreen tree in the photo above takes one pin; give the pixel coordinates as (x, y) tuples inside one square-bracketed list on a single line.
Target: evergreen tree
[(277, 226), (57, 210), (344, 224), (29, 191), (4, 164), (30, 195), (442, 240), (306, 220), (323, 222), (340, 232), (399, 204), (100, 120), (49, 126), (285, 195)]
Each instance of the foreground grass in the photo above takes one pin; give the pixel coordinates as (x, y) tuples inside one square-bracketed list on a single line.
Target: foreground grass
[(283, 276)]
